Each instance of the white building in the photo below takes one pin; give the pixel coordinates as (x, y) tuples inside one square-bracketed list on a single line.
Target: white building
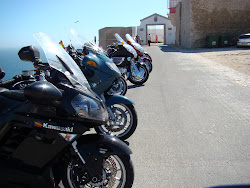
[(156, 25)]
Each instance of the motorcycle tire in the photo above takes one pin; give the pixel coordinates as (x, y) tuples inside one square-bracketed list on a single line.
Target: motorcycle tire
[(148, 56), (139, 81), (149, 65), (118, 171), (120, 87), (125, 122)]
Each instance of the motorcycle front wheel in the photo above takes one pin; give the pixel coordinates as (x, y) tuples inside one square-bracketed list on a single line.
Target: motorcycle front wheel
[(119, 87), (124, 124), (149, 65), (117, 172), (148, 56), (139, 78)]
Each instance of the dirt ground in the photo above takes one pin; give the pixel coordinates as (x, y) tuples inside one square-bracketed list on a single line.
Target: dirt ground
[(235, 58), (232, 61)]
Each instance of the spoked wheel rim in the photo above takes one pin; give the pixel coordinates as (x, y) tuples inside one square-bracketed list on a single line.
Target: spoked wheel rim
[(119, 87), (143, 74), (148, 65), (114, 175), (123, 121)]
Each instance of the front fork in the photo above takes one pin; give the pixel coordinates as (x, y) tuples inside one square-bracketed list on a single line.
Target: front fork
[(111, 114), (135, 71), (92, 149), (94, 168)]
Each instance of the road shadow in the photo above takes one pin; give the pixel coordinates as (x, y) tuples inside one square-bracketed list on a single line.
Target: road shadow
[(174, 48), (231, 186), (135, 86), (168, 48)]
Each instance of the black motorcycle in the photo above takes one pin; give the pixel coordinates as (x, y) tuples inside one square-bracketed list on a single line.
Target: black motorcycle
[(124, 56), (42, 126)]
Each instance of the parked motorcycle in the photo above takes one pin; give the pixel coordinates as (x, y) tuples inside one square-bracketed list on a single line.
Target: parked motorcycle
[(119, 85), (124, 57), (140, 52), (101, 73), (42, 126)]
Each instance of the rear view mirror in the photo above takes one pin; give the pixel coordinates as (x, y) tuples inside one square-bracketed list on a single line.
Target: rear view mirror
[(2, 73), (85, 50), (29, 53)]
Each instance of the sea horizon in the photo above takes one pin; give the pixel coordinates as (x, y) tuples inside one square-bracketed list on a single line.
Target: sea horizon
[(12, 64)]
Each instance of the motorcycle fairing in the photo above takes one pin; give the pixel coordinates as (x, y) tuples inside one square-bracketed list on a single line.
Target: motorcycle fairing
[(102, 145), (54, 127), (100, 60), (12, 177), (60, 126), (100, 77), (129, 48), (137, 46), (31, 149), (7, 104), (29, 146), (118, 99)]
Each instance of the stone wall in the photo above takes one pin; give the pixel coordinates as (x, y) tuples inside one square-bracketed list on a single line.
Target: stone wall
[(224, 17), (176, 19), (106, 35), (186, 24), (196, 19)]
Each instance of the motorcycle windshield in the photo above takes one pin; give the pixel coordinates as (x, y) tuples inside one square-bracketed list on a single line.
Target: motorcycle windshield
[(125, 45), (93, 47), (85, 42), (134, 44), (60, 60)]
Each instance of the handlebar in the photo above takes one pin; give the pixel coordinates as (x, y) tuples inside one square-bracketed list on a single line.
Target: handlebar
[(9, 83)]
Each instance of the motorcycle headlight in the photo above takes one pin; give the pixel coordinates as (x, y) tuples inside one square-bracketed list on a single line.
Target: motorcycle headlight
[(112, 66), (88, 108)]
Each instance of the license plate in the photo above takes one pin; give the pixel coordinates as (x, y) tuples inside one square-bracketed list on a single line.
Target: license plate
[(244, 42)]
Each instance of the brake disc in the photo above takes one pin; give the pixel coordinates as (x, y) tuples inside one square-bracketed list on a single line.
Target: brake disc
[(120, 120)]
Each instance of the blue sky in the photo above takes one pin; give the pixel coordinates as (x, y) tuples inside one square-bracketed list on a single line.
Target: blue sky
[(21, 18)]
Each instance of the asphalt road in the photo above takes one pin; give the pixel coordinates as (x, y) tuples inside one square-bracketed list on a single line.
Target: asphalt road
[(193, 125)]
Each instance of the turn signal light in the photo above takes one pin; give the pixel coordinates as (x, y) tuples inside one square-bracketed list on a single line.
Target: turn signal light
[(92, 63)]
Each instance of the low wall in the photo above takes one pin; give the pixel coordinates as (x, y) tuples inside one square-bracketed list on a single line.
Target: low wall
[(106, 35)]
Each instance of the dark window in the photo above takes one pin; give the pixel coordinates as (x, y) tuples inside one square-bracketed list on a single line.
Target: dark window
[(244, 37)]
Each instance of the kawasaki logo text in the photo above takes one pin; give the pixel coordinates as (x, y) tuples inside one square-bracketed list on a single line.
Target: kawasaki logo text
[(54, 127)]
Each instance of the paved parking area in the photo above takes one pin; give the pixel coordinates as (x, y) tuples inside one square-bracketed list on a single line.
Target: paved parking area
[(193, 121)]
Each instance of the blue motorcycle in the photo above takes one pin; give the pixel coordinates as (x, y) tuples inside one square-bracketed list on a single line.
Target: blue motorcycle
[(101, 72)]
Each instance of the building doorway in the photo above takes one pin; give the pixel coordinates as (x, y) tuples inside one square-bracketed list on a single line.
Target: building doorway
[(157, 33)]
